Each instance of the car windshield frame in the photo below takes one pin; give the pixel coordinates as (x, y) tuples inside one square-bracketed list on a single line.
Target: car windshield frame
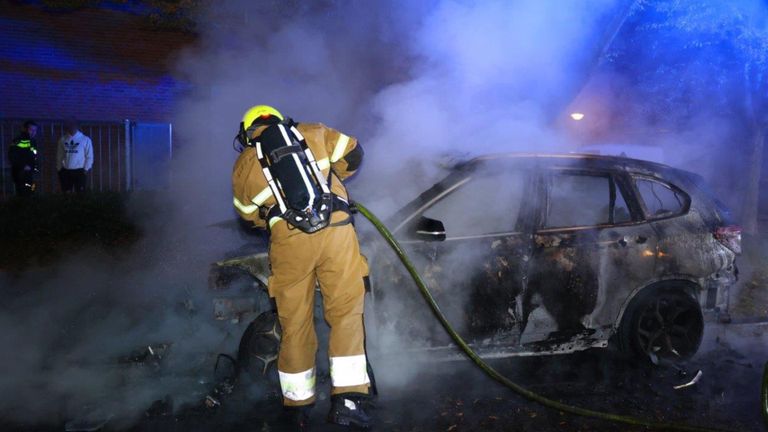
[(454, 181)]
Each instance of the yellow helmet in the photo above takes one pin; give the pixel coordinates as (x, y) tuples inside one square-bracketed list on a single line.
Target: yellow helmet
[(263, 111)]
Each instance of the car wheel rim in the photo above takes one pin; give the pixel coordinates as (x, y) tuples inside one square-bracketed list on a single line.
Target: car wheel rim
[(670, 326)]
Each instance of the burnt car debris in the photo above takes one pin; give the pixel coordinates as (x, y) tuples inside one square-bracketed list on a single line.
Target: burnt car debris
[(544, 254)]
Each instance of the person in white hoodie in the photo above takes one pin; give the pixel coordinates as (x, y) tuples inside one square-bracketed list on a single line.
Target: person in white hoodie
[(74, 158)]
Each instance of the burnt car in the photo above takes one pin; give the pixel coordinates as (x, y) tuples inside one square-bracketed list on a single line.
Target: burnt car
[(543, 254)]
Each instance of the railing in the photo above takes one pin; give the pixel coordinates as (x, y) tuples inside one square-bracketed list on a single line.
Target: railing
[(111, 155)]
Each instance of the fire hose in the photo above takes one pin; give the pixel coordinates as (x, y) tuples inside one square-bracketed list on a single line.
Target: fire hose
[(764, 396), (549, 403)]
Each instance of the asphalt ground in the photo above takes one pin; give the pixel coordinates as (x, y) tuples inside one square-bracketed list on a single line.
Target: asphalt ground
[(440, 396), (456, 396)]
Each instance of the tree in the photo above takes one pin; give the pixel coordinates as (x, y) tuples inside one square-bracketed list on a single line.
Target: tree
[(686, 54)]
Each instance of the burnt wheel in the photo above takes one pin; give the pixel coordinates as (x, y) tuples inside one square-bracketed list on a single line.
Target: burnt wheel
[(257, 354), (662, 323)]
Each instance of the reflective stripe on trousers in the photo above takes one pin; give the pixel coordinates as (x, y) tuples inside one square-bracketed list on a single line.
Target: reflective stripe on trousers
[(349, 371), (298, 386), (299, 261)]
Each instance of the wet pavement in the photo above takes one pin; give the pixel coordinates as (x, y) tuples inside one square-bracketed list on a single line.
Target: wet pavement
[(456, 396)]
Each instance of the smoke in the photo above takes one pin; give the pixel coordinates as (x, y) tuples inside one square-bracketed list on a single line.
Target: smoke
[(417, 82), (487, 78), (420, 83), (70, 331)]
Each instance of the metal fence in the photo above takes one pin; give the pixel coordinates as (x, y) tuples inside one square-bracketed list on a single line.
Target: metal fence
[(111, 154)]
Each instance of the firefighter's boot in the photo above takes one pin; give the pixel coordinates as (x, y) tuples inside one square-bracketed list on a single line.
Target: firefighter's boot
[(348, 409), (299, 417)]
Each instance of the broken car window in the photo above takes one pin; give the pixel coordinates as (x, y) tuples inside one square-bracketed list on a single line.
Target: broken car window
[(584, 200), (620, 209), (485, 205), (660, 200)]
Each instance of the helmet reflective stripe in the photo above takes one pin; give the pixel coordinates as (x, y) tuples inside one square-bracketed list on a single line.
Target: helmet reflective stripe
[(258, 111), (247, 209), (349, 371), (341, 145), (298, 386)]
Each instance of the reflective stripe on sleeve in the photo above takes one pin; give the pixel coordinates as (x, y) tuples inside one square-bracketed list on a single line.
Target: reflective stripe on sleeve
[(349, 371), (274, 220), (324, 163), (298, 386), (247, 209), (341, 146), (262, 196)]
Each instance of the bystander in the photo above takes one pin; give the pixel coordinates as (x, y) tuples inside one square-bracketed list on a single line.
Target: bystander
[(74, 158), (23, 157)]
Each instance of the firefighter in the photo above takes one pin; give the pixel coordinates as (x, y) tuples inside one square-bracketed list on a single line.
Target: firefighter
[(298, 259), (23, 157)]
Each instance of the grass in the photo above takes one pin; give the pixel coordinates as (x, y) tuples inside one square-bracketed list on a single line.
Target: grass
[(42, 229)]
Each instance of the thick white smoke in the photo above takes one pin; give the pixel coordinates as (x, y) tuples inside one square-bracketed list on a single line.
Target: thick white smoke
[(488, 78), (415, 81), (419, 83)]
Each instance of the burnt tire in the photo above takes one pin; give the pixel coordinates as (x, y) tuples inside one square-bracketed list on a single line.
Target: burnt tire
[(662, 324), (259, 346), (222, 278)]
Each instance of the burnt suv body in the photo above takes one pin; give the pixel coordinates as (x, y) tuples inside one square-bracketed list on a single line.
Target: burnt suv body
[(542, 254), (555, 253)]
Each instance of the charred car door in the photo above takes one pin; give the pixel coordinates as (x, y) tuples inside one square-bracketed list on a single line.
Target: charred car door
[(467, 238), (591, 247)]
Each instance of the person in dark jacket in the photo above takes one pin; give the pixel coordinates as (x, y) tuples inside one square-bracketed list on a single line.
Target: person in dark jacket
[(23, 157)]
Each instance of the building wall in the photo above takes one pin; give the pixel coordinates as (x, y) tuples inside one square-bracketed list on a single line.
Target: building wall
[(91, 64)]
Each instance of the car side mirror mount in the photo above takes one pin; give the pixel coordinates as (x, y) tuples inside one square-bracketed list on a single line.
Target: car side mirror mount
[(427, 229)]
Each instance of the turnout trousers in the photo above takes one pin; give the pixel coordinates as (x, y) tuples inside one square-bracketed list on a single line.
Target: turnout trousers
[(332, 258)]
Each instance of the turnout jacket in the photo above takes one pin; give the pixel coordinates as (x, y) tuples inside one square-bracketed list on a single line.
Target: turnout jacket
[(22, 153), (338, 156), (74, 152)]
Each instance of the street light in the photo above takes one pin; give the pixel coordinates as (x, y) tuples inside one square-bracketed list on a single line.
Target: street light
[(577, 116)]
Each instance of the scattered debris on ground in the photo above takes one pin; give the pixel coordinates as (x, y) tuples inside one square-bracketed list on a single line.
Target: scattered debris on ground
[(691, 382)]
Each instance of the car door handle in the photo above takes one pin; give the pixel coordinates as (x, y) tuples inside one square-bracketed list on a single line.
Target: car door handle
[(624, 241)]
